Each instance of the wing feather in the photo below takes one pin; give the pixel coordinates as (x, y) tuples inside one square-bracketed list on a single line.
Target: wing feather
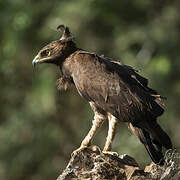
[(116, 88)]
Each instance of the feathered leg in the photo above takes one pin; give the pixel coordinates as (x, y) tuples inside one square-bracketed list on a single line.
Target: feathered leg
[(111, 133), (99, 117)]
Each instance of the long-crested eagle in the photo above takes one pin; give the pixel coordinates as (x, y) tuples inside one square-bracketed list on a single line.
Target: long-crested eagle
[(115, 92)]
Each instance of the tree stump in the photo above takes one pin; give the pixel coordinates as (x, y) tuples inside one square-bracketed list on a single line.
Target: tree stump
[(91, 164)]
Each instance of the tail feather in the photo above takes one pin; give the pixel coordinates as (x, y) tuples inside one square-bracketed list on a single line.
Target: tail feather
[(153, 138), (159, 134), (154, 150)]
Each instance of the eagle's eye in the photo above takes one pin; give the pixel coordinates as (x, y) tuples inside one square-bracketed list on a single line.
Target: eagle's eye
[(46, 53)]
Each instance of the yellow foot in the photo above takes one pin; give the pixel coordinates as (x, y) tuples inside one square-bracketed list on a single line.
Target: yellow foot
[(92, 148), (95, 149), (111, 153), (78, 150)]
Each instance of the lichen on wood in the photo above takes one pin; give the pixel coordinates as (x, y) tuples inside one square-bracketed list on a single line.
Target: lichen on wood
[(91, 164)]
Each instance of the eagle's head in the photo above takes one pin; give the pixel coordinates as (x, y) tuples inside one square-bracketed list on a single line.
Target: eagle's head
[(56, 51)]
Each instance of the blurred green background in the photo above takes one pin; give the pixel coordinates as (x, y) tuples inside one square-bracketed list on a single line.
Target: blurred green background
[(41, 126)]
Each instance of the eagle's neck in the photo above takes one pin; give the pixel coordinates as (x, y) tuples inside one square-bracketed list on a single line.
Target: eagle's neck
[(68, 65), (66, 70)]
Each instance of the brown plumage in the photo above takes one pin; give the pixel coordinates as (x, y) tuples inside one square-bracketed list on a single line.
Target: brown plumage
[(115, 92)]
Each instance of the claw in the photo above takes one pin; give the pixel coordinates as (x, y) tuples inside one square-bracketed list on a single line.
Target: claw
[(111, 153), (75, 152), (92, 148)]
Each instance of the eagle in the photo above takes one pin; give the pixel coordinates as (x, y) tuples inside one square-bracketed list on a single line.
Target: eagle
[(115, 92)]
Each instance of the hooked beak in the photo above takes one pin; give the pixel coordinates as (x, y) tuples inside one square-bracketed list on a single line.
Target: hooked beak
[(35, 61)]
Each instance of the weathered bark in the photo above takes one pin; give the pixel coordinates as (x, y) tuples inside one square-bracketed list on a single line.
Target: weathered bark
[(91, 164)]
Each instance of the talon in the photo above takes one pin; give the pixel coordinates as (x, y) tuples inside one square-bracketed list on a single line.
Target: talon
[(78, 150), (96, 149), (111, 153)]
